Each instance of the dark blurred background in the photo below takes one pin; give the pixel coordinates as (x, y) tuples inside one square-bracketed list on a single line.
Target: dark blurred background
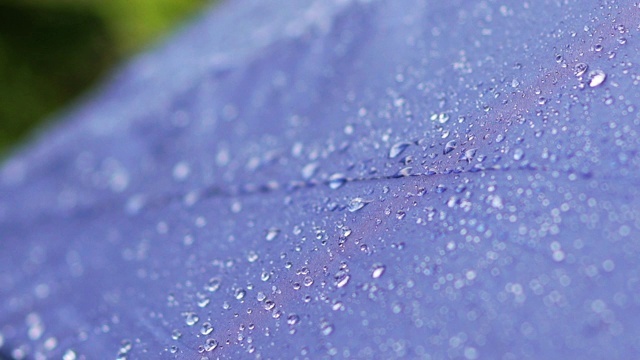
[(51, 51)]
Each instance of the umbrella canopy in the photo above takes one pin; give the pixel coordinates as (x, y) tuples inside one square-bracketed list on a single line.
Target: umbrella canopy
[(336, 178)]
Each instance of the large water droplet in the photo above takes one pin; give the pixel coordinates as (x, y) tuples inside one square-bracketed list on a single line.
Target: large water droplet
[(336, 181), (342, 279), (596, 78), (449, 147), (357, 204), (397, 149)]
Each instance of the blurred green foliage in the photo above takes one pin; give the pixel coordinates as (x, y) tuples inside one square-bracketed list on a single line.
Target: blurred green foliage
[(52, 50)]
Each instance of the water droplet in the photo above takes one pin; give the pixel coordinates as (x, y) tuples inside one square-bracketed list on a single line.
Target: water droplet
[(240, 293), (449, 147), (191, 318), (69, 355), (441, 117), (398, 149), (309, 170), (518, 154), (125, 347), (342, 279), (357, 204), (181, 170), (468, 155), (308, 281), (326, 328), (176, 334), (206, 329), (272, 234), (378, 270), (293, 319), (265, 276), (580, 69), (213, 284), (173, 349), (596, 78), (210, 345), (336, 181), (269, 304)]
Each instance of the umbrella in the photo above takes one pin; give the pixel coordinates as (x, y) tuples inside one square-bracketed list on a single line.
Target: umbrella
[(349, 179)]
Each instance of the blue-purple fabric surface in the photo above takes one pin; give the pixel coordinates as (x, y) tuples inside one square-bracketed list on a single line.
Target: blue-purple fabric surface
[(341, 179)]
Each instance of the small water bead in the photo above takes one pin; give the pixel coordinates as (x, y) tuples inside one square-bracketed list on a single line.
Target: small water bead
[(336, 181), (173, 349), (191, 318), (518, 154), (442, 118), (378, 270), (596, 78), (398, 149), (308, 281), (580, 69), (309, 170), (206, 329), (598, 48), (240, 293), (293, 319), (265, 276), (69, 355), (252, 256), (125, 347), (213, 284), (176, 334), (49, 344), (203, 301), (272, 234), (326, 328), (181, 171)]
